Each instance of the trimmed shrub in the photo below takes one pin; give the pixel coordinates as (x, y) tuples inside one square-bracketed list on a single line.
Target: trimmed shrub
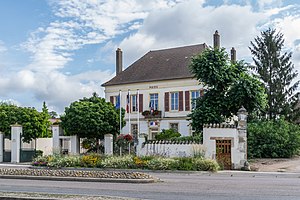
[(167, 134), (197, 139), (273, 139)]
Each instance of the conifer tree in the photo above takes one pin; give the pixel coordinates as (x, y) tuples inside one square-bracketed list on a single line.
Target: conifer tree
[(277, 73)]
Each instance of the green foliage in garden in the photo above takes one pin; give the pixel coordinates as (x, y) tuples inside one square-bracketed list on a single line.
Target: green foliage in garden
[(273, 139), (167, 134), (91, 118), (34, 123), (196, 138), (127, 162), (229, 86)]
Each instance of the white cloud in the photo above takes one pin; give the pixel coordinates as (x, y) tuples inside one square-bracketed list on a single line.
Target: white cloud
[(265, 4), (191, 23), (289, 26), (2, 47), (78, 23), (150, 25)]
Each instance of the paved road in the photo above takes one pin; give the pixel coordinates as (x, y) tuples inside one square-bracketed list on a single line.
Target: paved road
[(225, 186)]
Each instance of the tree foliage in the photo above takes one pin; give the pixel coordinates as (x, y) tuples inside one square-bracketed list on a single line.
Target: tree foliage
[(46, 123), (229, 86), (53, 114), (167, 134), (33, 122), (91, 118), (273, 139), (276, 71)]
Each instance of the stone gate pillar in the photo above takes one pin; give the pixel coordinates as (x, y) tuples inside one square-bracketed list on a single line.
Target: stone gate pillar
[(108, 144), (16, 132), (1, 146), (56, 146), (75, 146), (242, 136)]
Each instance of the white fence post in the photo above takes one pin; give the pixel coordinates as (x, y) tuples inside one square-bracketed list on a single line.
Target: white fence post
[(108, 144), (1, 146), (75, 146), (16, 131), (139, 148)]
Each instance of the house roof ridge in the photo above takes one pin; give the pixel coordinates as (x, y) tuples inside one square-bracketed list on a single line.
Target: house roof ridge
[(177, 47), (171, 62)]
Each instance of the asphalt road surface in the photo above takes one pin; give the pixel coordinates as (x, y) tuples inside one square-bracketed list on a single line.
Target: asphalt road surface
[(225, 186)]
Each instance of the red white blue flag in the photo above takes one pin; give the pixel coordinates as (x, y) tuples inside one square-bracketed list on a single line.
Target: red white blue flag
[(128, 102)]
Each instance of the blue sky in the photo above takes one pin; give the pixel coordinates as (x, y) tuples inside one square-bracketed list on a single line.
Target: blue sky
[(61, 50)]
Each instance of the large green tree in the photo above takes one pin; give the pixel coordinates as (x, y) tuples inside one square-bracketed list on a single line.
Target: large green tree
[(275, 69), (32, 121), (91, 118), (228, 87)]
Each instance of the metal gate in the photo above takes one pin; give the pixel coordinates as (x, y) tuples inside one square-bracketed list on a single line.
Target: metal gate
[(27, 151), (6, 149), (223, 150)]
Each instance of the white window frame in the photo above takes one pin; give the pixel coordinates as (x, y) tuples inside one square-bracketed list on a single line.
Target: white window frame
[(155, 100), (170, 126), (174, 102), (193, 99), (133, 107)]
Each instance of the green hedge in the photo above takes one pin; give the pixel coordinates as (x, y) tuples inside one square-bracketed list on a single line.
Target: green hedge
[(273, 139)]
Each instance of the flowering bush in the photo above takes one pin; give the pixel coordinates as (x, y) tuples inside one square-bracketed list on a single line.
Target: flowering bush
[(40, 161), (128, 162), (90, 160), (161, 163), (119, 162), (151, 113), (140, 162), (124, 140)]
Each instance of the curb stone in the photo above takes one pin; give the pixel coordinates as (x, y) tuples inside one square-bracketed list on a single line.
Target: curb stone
[(80, 179), (77, 175)]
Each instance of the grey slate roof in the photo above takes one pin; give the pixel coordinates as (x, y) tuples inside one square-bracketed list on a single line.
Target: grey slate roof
[(159, 65)]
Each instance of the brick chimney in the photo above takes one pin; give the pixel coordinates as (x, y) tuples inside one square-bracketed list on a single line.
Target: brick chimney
[(119, 61), (233, 55), (216, 40)]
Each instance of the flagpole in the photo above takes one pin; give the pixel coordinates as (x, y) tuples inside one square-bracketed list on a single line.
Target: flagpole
[(120, 110), (129, 110), (129, 127), (138, 112)]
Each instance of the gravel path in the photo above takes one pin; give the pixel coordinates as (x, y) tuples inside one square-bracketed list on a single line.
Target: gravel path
[(276, 165)]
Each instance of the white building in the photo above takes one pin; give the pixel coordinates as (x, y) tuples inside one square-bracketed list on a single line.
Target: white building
[(164, 84)]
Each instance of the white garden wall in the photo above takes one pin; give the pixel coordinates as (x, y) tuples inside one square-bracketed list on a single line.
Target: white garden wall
[(44, 144), (169, 149)]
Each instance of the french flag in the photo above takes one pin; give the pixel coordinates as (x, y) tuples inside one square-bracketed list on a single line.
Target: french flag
[(151, 106), (152, 123)]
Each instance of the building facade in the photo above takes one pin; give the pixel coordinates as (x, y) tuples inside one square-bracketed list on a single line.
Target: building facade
[(158, 91)]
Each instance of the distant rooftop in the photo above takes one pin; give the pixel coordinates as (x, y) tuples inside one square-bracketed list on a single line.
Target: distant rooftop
[(165, 64)]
